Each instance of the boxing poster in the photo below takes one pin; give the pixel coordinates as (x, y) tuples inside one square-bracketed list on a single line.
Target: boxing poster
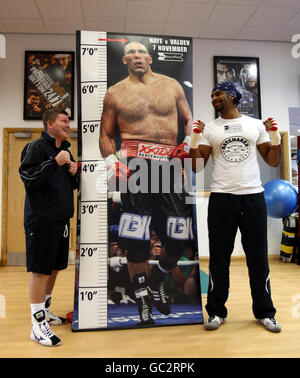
[(137, 250), (244, 73), (49, 82)]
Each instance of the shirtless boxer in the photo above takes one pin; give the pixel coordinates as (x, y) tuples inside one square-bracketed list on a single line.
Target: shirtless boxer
[(145, 107)]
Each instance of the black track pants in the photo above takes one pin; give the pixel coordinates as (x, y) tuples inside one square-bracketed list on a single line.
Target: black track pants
[(227, 213)]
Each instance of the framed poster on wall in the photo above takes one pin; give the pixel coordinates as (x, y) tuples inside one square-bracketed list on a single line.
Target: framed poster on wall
[(244, 73), (118, 249), (48, 82)]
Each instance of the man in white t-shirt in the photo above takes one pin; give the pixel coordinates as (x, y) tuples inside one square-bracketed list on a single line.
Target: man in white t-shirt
[(236, 200)]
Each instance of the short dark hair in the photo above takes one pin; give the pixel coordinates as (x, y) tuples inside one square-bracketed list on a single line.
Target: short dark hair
[(51, 114)]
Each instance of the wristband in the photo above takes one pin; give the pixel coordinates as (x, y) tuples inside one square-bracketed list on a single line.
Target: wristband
[(195, 140), (275, 137)]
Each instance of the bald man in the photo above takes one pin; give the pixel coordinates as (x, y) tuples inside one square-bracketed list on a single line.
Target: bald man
[(145, 107)]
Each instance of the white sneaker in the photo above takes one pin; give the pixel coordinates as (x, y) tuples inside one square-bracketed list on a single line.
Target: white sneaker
[(54, 319), (270, 324), (51, 318), (41, 332), (214, 322)]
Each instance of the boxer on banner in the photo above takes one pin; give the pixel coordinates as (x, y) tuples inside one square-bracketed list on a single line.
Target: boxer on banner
[(145, 107)]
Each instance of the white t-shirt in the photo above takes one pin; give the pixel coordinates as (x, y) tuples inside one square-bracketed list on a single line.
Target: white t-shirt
[(234, 154)]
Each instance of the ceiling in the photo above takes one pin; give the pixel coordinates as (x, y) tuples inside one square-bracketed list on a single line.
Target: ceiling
[(267, 20)]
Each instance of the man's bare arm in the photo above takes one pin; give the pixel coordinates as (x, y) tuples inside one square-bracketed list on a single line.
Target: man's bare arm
[(202, 152), (184, 110), (108, 126), (271, 154)]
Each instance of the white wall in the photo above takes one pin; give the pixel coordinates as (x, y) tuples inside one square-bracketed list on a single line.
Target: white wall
[(12, 80), (279, 76), (280, 90)]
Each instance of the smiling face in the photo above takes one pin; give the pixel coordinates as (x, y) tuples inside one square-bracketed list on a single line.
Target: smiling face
[(137, 58), (59, 128), (221, 101)]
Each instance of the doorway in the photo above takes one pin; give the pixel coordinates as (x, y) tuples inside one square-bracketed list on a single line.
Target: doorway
[(13, 196)]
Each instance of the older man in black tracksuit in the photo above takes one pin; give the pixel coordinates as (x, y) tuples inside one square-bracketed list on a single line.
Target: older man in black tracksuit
[(50, 175)]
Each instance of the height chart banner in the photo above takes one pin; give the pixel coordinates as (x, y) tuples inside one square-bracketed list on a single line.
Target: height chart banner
[(137, 252)]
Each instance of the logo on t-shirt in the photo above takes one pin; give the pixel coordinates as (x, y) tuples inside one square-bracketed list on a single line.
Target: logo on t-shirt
[(235, 128), (235, 149)]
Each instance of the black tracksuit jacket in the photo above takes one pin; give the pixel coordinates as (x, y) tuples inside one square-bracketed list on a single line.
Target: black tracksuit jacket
[(49, 187)]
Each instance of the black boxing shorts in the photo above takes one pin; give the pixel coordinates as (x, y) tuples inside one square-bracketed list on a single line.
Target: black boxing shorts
[(165, 212), (47, 247)]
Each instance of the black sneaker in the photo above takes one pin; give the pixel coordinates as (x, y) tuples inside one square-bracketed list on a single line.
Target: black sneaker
[(41, 332), (161, 299)]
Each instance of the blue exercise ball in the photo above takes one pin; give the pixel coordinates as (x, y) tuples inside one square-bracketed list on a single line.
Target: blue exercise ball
[(281, 198)]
